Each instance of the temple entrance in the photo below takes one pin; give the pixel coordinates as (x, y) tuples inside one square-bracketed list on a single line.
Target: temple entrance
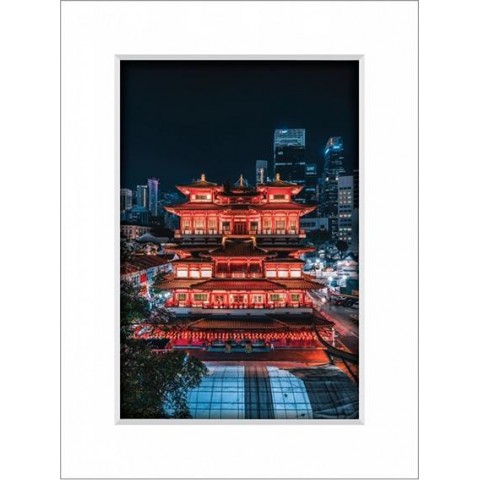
[(240, 228)]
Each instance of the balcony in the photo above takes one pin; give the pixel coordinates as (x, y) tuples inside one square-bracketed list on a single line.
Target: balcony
[(218, 233)]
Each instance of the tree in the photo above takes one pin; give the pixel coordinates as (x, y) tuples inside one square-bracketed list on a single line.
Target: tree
[(155, 385), (318, 237), (155, 289), (342, 246), (152, 385), (126, 252)]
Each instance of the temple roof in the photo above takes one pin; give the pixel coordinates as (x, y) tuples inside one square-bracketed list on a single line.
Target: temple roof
[(241, 284), (238, 248), (238, 284), (201, 183), (278, 182), (300, 283), (277, 206), (283, 260)]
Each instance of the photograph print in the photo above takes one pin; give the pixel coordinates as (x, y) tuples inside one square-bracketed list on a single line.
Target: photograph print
[(239, 240)]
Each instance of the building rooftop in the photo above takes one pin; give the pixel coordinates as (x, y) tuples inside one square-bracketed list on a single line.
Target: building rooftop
[(259, 391), (238, 248), (142, 262)]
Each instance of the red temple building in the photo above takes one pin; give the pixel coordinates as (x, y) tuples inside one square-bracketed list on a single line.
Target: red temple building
[(239, 247)]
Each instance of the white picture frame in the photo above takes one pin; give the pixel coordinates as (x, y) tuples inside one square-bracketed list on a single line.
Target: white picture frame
[(385, 442)]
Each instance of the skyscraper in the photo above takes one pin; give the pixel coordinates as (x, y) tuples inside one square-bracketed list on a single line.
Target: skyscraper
[(289, 154), (345, 208), (142, 196), (311, 182), (261, 171), (153, 196), (125, 199), (332, 170)]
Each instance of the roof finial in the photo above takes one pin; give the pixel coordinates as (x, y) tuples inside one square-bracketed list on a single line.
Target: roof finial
[(241, 180), (277, 176), (202, 177)]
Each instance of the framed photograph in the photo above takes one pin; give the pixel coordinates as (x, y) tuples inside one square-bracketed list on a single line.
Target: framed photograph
[(235, 213), (240, 295)]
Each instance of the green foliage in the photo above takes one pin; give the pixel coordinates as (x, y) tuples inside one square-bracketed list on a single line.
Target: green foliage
[(155, 385), (342, 245), (133, 308), (317, 237), (152, 385), (126, 253), (155, 289)]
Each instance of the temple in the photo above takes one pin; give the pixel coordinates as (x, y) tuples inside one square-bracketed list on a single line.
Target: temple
[(239, 247)]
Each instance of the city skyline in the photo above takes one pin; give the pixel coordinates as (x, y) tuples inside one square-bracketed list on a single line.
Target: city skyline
[(220, 117)]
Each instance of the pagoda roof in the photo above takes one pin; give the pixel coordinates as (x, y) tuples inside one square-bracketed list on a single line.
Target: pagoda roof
[(278, 182), (238, 284), (142, 262), (300, 283), (170, 283), (201, 183), (293, 206), (192, 260), (239, 248), (283, 260)]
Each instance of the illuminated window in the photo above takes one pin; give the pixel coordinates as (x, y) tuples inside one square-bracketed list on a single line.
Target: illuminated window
[(200, 297), (181, 297), (202, 197), (277, 297), (295, 297)]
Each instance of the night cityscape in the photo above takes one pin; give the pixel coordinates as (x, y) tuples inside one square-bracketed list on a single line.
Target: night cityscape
[(239, 226)]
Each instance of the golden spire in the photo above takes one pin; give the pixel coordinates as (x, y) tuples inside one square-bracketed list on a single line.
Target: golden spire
[(202, 177), (241, 180), (277, 176)]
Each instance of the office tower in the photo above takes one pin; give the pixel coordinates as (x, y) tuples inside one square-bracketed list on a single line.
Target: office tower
[(356, 188), (289, 155), (345, 207), (153, 196), (261, 170), (332, 170), (311, 183), (125, 199), (142, 196)]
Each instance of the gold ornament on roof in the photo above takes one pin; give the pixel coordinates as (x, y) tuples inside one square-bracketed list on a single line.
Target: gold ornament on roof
[(202, 177)]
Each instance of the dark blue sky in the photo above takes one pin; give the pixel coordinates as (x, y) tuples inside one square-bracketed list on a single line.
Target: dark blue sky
[(183, 118)]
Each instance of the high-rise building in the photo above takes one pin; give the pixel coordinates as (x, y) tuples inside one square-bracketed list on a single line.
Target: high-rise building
[(142, 196), (332, 170), (289, 155), (311, 183), (356, 188), (153, 196), (345, 208), (261, 171), (125, 199)]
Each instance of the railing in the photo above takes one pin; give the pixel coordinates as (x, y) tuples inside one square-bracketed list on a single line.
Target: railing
[(270, 232)]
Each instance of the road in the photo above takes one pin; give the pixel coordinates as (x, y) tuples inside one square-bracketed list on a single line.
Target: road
[(346, 328)]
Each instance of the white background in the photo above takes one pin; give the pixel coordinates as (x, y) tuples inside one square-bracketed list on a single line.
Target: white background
[(29, 153)]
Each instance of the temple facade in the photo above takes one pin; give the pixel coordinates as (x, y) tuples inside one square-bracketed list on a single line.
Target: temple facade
[(239, 247)]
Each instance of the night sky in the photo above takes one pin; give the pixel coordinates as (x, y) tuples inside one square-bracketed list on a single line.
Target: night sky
[(183, 118)]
